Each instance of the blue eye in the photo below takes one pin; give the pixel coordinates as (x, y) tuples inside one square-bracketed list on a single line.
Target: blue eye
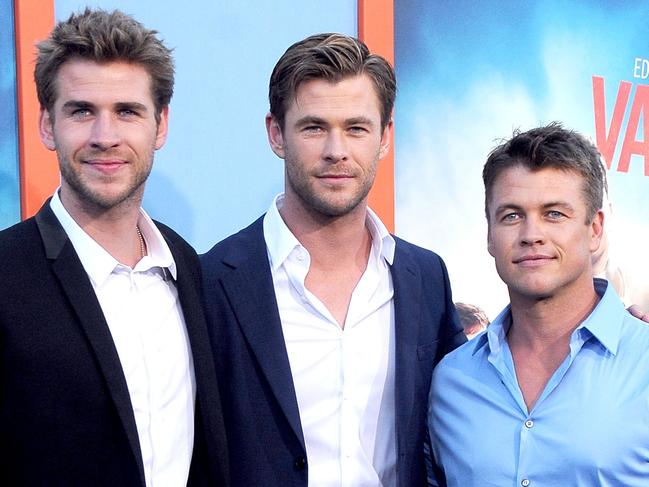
[(81, 113), (510, 217)]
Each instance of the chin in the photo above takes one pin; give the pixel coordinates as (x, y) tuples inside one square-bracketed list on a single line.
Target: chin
[(532, 292), (535, 294), (335, 209)]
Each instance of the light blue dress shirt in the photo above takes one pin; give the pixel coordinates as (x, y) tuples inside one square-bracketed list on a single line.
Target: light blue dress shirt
[(589, 427)]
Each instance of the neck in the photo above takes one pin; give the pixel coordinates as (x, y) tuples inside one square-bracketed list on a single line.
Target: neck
[(115, 229), (332, 242), (537, 324)]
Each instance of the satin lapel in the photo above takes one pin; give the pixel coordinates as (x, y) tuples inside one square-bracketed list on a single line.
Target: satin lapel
[(78, 289), (407, 311), (250, 291)]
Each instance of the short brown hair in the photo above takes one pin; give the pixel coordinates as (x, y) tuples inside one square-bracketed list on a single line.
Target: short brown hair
[(331, 57), (471, 316), (101, 36), (550, 146)]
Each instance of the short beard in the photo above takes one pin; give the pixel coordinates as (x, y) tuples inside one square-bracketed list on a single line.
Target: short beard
[(95, 198)]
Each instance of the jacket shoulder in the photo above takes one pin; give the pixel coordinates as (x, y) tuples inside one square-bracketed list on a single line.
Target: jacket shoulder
[(249, 240), (19, 240), (424, 257)]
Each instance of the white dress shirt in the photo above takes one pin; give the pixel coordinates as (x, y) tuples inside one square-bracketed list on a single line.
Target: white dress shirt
[(344, 377), (146, 322)]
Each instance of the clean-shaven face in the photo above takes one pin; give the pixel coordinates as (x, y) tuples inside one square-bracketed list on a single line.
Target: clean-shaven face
[(540, 234)]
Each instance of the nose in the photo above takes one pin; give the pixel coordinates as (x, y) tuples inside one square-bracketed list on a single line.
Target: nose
[(105, 132), (335, 149), (531, 232)]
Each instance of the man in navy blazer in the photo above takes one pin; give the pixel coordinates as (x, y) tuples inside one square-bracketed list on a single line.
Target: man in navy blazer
[(106, 373), (326, 328)]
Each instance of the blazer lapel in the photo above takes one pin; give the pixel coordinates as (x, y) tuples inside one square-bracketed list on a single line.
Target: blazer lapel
[(207, 391), (76, 285), (407, 295), (250, 291)]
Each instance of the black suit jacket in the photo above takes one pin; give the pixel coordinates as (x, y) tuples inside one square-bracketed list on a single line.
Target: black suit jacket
[(265, 439), (65, 412)]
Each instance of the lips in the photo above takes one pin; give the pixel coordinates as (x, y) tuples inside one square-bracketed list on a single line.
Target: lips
[(105, 161), (106, 165), (335, 176), (335, 180), (533, 260)]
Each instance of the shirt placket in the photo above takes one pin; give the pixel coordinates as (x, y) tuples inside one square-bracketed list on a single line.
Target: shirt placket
[(527, 463), (347, 422), (142, 323)]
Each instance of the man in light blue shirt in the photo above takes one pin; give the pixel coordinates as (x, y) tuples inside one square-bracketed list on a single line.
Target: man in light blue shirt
[(556, 391)]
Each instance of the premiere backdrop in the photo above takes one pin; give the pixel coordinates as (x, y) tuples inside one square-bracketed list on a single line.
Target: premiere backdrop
[(216, 172), (470, 73), (9, 185)]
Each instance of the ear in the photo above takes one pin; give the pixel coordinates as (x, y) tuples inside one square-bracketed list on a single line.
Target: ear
[(162, 129), (490, 242), (46, 129), (275, 137), (596, 230), (386, 138)]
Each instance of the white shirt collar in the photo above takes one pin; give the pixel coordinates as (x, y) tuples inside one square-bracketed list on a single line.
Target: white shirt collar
[(97, 262), (280, 241)]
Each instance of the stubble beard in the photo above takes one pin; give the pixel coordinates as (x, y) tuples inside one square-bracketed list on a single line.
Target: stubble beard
[(318, 203), (96, 198)]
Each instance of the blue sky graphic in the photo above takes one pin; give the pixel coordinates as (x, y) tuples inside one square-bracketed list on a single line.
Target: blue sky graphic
[(471, 72)]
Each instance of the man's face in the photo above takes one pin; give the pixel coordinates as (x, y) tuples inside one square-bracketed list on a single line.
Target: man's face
[(331, 143), (104, 131), (538, 233)]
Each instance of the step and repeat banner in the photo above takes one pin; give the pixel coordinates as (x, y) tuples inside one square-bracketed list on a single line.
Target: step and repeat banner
[(9, 182), (470, 73)]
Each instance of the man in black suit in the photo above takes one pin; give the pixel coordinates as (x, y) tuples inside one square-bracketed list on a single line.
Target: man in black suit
[(106, 375), (326, 328)]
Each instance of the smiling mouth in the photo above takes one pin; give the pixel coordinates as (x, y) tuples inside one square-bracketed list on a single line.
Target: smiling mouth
[(106, 166), (533, 260), (104, 161), (335, 176), (335, 180)]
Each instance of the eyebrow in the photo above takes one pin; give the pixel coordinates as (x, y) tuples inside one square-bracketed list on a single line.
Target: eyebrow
[(124, 105), (560, 204), (545, 206), (507, 207), (131, 105), (359, 121), (310, 119), (76, 104)]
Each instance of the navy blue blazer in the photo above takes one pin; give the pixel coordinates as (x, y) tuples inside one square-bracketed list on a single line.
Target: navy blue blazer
[(66, 417), (263, 429)]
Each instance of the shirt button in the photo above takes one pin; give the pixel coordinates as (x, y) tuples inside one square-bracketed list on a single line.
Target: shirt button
[(529, 423), (525, 482)]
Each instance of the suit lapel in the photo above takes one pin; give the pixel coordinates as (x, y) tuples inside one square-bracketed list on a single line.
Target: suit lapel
[(78, 289), (250, 291), (207, 395), (407, 312)]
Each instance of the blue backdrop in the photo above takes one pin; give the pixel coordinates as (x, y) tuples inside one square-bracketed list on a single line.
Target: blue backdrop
[(216, 172), (9, 183), (472, 71)]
